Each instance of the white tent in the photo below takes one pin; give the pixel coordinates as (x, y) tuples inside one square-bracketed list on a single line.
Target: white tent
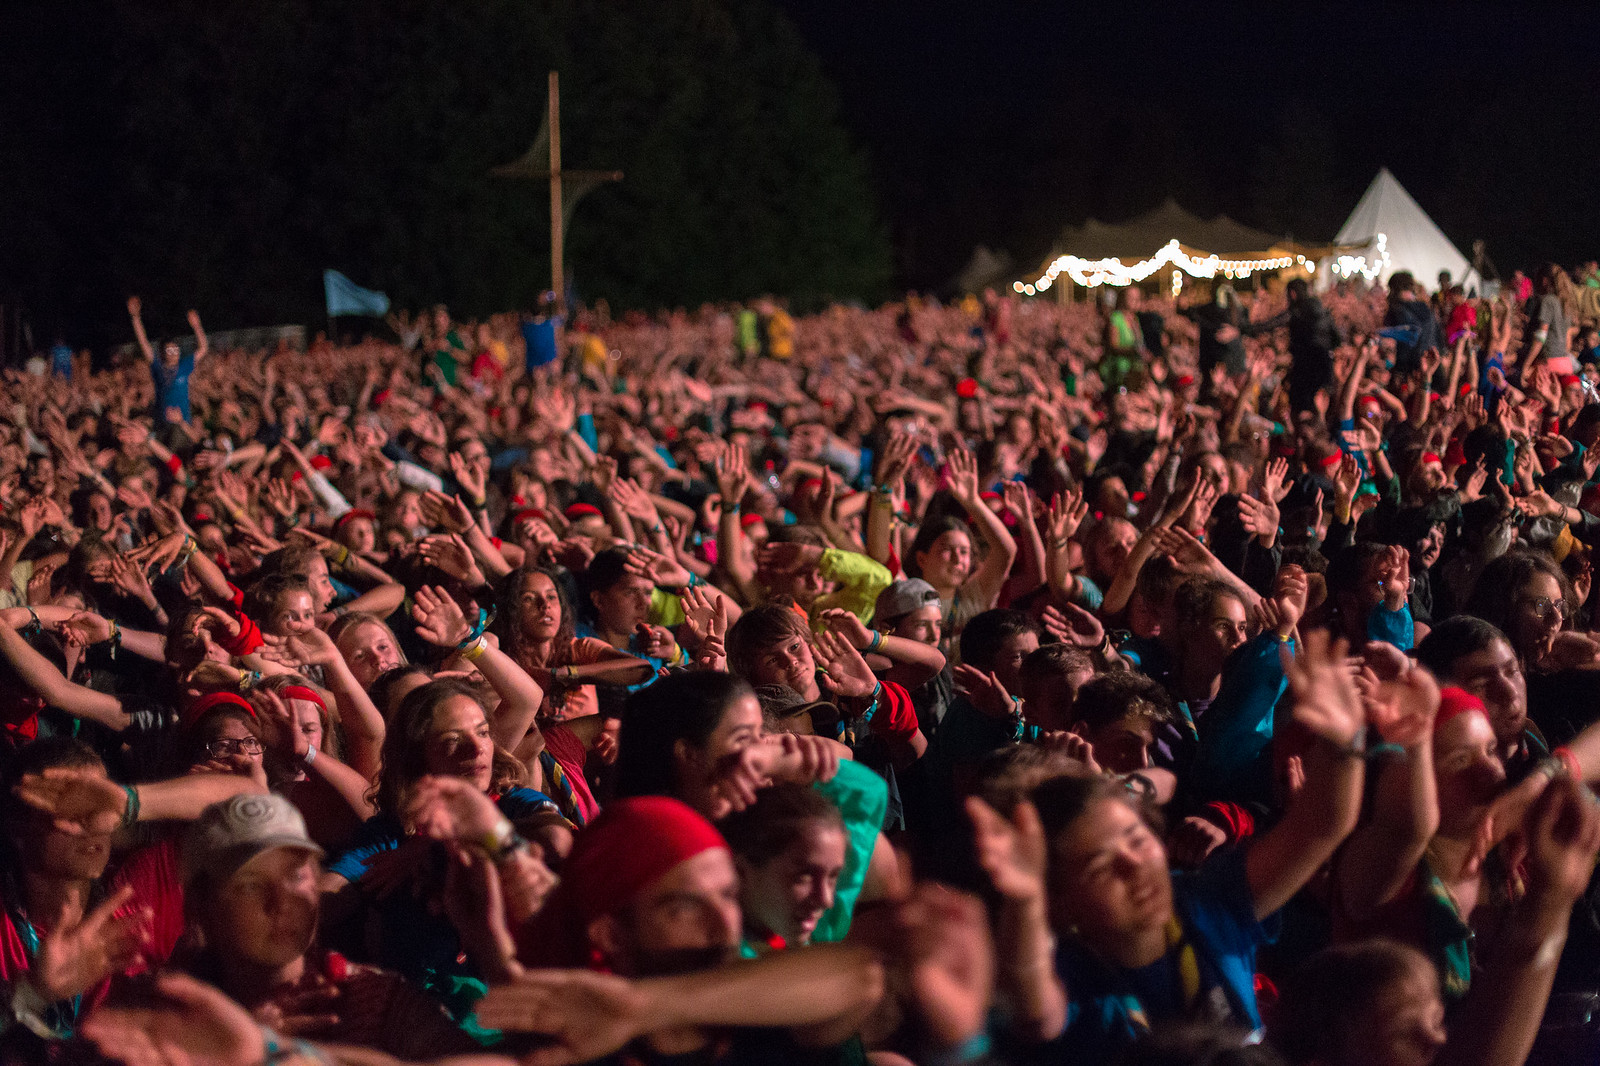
[(1398, 235)]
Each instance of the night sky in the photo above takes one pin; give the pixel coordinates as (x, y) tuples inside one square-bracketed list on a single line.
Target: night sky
[(1000, 122)]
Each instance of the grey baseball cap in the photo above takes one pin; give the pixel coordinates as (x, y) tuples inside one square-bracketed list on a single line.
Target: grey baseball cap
[(903, 597), (231, 833)]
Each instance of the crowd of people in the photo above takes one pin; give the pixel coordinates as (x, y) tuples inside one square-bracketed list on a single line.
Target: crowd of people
[(1140, 680)]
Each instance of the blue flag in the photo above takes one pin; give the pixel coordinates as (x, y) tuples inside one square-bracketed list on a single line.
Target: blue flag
[(345, 297)]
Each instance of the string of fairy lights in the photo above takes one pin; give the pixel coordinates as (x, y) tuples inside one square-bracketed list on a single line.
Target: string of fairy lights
[(1091, 273)]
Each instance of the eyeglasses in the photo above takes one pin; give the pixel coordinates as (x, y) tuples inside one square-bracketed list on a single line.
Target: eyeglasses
[(1542, 607), (223, 746)]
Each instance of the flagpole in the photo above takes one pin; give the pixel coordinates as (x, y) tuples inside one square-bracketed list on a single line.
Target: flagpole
[(557, 280)]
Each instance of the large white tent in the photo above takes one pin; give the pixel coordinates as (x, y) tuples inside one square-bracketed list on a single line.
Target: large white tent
[(1394, 233)]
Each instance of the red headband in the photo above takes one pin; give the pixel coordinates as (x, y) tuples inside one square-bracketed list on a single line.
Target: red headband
[(967, 388), (582, 510), (300, 692), (748, 520), (353, 514), (204, 705), (1332, 460), (1432, 457), (525, 514)]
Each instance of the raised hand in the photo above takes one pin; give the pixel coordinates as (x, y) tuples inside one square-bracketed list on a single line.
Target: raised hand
[(1290, 592), (584, 1015), (962, 472), (1326, 702), (1073, 625), (1403, 710), (438, 618), (896, 460), (846, 625), (656, 642), (655, 567), (733, 472), (467, 476), (1019, 500), (451, 554), (1259, 517), (844, 672), (282, 731), (1563, 836), (1013, 852), (83, 628), (311, 648), (986, 691), (79, 802), (74, 957), (1272, 485), (448, 808), (1067, 512), (445, 512), (187, 1023), (784, 558)]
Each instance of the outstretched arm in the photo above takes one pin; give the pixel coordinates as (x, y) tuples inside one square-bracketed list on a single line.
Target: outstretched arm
[(135, 307), (1323, 814), (202, 346)]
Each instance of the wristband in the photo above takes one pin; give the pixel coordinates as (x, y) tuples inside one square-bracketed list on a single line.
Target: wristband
[(282, 1049), (474, 649), (728, 508), (130, 813), (1570, 762), (1356, 749), (969, 1050), (695, 580), (572, 672), (310, 755), (116, 638), (343, 556), (872, 707), (480, 503), (495, 839)]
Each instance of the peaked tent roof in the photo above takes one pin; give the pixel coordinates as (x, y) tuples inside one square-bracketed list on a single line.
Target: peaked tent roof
[(1413, 241), (984, 268), (1148, 233)]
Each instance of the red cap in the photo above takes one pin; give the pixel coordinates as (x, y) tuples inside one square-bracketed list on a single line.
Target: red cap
[(525, 514), (632, 844), (967, 388), (1568, 380), (582, 510), (1454, 702)]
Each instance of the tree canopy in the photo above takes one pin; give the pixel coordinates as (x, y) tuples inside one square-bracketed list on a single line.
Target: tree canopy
[(220, 155)]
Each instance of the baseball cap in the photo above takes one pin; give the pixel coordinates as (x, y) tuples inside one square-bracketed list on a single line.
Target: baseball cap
[(902, 597), (231, 833)]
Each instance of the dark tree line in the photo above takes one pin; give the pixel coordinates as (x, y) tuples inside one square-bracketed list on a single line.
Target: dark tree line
[(220, 155)]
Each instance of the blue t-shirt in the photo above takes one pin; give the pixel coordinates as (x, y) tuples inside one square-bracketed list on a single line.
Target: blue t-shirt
[(172, 385), (1106, 1012), (540, 339), (61, 361), (414, 940)]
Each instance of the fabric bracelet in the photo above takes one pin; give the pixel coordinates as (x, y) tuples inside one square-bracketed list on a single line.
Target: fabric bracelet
[(130, 813)]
